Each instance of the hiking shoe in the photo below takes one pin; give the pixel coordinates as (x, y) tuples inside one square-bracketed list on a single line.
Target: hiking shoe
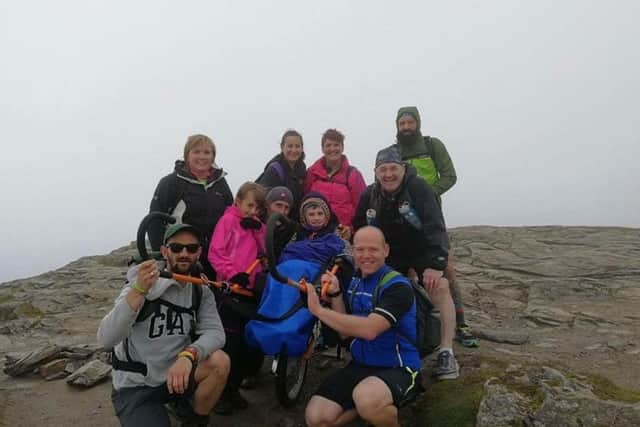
[(224, 406), (180, 408), (465, 337), (446, 367), (249, 382), (238, 401), (196, 420)]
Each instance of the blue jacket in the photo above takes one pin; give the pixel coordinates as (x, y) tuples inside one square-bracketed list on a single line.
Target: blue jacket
[(390, 348)]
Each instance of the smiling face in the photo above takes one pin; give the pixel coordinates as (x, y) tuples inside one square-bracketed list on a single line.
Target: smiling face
[(390, 176), (291, 149), (332, 150), (315, 217), (369, 250), (200, 158), (407, 125)]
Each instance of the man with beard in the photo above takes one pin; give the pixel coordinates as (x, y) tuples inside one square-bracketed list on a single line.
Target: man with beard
[(165, 338), (431, 160), (405, 209)]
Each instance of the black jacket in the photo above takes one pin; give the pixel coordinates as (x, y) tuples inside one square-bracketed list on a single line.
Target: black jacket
[(180, 194), (409, 247), (292, 178)]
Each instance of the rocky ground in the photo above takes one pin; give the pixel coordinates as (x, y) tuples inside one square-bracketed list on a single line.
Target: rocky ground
[(556, 306)]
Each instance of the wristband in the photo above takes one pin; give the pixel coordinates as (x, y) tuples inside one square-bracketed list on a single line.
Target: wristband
[(188, 355), (139, 289), (335, 294), (191, 351)]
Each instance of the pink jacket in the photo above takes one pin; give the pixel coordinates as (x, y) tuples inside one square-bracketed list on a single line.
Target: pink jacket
[(234, 248), (342, 190)]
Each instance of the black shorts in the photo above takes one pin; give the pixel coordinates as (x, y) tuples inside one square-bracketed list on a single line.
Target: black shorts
[(404, 383), (144, 406)]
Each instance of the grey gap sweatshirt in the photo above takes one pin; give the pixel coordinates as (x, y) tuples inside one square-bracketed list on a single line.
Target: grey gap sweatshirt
[(153, 341)]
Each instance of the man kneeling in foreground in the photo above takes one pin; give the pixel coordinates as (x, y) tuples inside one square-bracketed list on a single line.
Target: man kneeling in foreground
[(155, 358), (384, 372)]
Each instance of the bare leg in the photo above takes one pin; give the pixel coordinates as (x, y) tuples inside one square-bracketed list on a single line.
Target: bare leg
[(322, 412), (374, 403), (441, 299), (211, 376), (454, 289)]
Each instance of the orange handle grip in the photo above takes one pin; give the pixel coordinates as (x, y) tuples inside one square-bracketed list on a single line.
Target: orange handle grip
[(188, 279), (236, 289), (252, 266), (326, 283)]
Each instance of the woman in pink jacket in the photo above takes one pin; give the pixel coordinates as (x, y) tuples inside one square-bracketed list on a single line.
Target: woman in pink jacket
[(334, 178), (237, 241)]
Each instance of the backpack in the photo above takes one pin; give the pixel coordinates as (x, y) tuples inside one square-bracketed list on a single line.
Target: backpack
[(277, 167), (346, 182), (148, 308), (427, 323)]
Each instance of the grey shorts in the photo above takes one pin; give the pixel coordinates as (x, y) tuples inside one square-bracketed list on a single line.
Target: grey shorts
[(144, 406)]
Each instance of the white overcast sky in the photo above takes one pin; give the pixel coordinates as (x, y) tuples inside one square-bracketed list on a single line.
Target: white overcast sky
[(537, 102)]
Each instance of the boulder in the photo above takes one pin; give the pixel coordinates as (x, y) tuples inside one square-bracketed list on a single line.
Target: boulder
[(90, 374)]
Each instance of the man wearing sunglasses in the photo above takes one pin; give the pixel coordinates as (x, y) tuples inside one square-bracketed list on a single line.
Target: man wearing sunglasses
[(165, 338)]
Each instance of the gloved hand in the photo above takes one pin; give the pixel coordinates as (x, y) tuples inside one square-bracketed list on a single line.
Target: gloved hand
[(250, 223), (241, 279)]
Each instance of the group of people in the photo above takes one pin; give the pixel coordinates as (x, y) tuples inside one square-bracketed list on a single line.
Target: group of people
[(181, 344)]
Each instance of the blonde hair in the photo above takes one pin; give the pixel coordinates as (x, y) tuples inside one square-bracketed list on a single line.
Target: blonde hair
[(259, 192), (195, 140)]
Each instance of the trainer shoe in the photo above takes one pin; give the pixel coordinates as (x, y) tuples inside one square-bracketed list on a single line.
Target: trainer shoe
[(446, 367), (250, 382), (238, 401), (465, 337)]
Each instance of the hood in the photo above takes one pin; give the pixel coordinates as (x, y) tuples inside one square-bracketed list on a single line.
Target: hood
[(333, 219), (319, 170), (180, 169), (409, 110)]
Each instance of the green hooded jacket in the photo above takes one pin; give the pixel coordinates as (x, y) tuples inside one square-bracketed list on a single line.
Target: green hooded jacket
[(429, 156)]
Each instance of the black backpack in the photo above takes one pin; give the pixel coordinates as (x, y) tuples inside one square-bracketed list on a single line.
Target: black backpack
[(427, 323)]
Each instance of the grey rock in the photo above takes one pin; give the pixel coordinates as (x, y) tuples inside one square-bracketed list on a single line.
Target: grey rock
[(90, 374), (587, 412), (616, 344), (502, 337), (52, 369), (553, 374), (500, 407), (32, 360)]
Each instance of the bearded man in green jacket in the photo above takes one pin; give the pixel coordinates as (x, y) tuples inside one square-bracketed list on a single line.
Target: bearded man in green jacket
[(431, 160)]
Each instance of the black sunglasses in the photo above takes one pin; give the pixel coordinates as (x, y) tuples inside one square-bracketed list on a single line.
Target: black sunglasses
[(176, 248)]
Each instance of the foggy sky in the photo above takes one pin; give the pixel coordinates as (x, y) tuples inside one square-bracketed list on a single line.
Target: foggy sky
[(537, 103)]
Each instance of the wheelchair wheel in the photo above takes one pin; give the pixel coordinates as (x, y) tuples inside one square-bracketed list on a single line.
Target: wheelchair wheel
[(291, 373)]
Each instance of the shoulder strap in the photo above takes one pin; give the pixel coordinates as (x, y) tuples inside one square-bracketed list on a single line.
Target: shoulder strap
[(428, 143), (349, 170), (196, 298), (389, 275), (280, 171)]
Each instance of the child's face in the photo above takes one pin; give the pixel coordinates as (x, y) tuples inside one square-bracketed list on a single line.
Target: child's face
[(315, 217), (248, 206)]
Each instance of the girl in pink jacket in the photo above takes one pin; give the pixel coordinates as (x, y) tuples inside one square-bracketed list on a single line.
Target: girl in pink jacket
[(239, 237), (332, 176), (236, 242)]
